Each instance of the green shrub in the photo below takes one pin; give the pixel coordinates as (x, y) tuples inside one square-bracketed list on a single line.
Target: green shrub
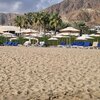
[(3, 40)]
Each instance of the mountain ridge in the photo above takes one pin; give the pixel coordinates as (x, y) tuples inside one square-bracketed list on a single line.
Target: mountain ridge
[(69, 10), (78, 10)]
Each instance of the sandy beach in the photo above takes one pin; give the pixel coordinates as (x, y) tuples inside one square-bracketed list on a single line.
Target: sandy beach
[(28, 73)]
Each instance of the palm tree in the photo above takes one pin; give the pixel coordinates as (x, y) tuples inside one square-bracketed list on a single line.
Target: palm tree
[(55, 21), (19, 21), (25, 22), (45, 20), (82, 27), (29, 20), (38, 19)]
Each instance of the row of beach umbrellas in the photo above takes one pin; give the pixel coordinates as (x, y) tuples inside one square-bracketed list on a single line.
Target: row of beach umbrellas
[(83, 37), (65, 33)]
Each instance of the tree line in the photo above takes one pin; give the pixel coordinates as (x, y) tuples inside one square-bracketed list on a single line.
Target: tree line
[(47, 21), (44, 21)]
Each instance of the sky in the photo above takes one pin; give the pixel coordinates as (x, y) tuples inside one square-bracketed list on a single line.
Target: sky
[(20, 6)]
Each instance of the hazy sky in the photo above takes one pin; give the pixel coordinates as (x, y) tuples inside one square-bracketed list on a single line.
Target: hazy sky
[(25, 5)]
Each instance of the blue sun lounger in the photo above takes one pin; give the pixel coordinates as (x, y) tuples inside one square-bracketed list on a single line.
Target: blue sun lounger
[(14, 44), (5, 43), (98, 45), (77, 44), (62, 44), (87, 44), (11, 43)]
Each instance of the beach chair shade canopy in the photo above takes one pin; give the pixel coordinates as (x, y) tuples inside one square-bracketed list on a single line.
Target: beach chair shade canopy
[(95, 35), (81, 38), (13, 38), (57, 36), (84, 37), (28, 38), (55, 39), (69, 29), (87, 36)]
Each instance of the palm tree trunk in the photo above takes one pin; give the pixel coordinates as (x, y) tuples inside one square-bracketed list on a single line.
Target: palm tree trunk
[(20, 29), (44, 28), (39, 28), (20, 32), (44, 34), (55, 29)]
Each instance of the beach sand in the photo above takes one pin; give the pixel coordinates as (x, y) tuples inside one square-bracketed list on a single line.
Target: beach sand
[(28, 73)]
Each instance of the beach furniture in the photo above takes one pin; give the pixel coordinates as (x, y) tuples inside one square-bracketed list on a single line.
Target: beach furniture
[(5, 43), (27, 43), (81, 44), (41, 44), (14, 43), (62, 44), (9, 43), (94, 46), (98, 46), (87, 45), (77, 44)]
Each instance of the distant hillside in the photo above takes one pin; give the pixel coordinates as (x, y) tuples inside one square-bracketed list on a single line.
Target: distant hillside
[(69, 10), (7, 18), (78, 10)]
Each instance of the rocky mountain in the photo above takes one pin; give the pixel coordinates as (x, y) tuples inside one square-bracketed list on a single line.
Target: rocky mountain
[(78, 10), (7, 18), (69, 10)]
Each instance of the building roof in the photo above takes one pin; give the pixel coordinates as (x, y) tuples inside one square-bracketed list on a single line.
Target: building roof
[(9, 28)]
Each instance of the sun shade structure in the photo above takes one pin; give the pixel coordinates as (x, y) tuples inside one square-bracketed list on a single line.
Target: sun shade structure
[(95, 35), (28, 38), (81, 38), (87, 36), (84, 37), (64, 34), (69, 29), (55, 39), (61, 36), (9, 28), (68, 33), (15, 38)]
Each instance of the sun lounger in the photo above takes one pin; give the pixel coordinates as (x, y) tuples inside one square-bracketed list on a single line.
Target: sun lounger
[(14, 43), (41, 44), (62, 44), (87, 45), (77, 44), (94, 46), (6, 43), (98, 46), (11, 43)]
